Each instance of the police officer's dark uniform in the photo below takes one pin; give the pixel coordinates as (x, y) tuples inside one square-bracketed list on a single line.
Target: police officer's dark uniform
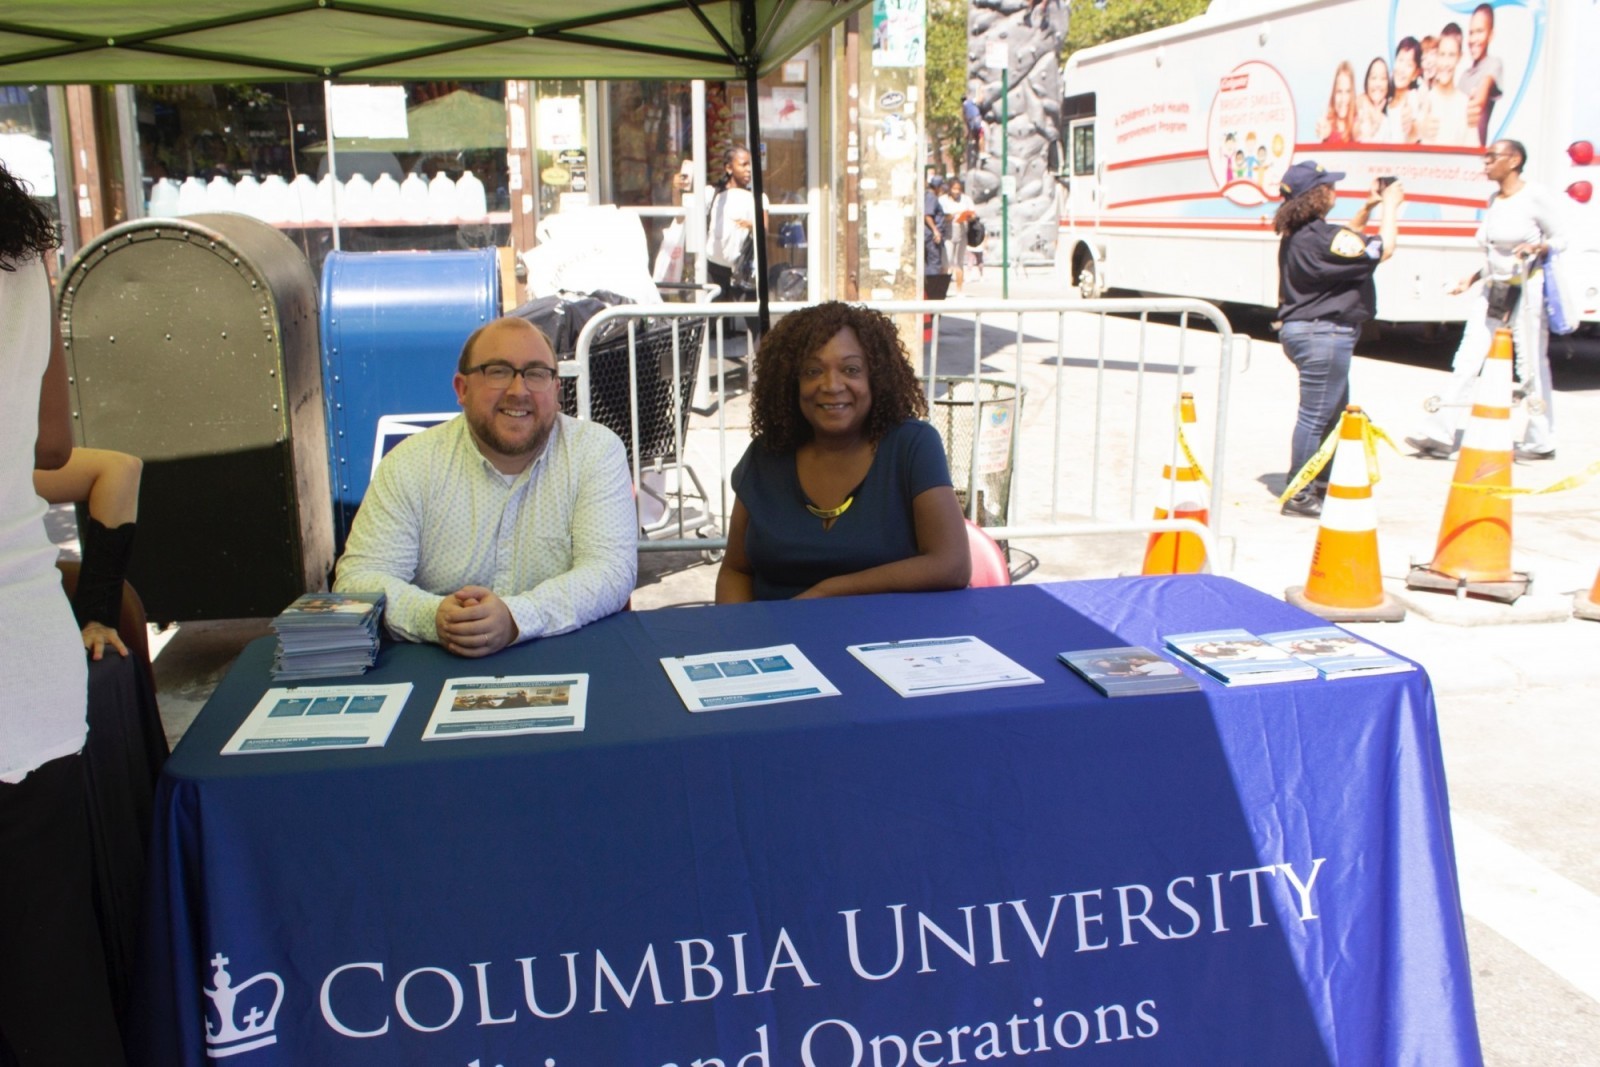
[(1325, 293)]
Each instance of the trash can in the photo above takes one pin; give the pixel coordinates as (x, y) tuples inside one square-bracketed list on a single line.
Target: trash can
[(393, 324), (977, 421), (192, 344)]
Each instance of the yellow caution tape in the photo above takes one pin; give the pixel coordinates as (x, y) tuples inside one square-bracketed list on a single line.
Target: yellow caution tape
[(1183, 444), (1569, 482), (1370, 436)]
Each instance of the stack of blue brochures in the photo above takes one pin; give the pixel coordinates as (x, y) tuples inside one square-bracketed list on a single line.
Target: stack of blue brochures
[(325, 635)]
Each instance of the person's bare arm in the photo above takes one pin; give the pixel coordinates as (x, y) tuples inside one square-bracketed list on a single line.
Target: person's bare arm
[(1389, 229), (107, 481), (735, 580), (53, 447)]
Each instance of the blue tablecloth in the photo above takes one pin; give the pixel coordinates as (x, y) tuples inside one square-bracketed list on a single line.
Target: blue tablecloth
[(1221, 877)]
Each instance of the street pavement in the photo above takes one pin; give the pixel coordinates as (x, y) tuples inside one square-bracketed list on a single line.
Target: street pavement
[(1514, 683)]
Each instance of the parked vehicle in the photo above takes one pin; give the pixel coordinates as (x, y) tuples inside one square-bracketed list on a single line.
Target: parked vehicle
[(1176, 140)]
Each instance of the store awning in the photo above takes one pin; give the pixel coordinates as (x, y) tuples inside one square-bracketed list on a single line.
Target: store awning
[(117, 41)]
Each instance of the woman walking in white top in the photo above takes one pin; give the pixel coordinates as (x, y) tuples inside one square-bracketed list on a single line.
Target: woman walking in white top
[(1519, 227)]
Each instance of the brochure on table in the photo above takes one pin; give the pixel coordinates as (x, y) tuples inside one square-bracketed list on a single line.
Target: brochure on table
[(501, 706), (714, 681), (1239, 657), (1337, 653), (307, 717), (929, 665), (1128, 670)]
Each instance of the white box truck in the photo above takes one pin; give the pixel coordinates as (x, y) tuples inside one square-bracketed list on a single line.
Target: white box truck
[(1176, 140)]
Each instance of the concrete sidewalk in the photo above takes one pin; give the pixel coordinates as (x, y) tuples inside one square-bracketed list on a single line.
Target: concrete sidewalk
[(1468, 645)]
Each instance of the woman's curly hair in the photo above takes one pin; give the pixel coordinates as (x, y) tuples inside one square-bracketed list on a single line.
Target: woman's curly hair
[(775, 418), (1298, 211), (25, 230)]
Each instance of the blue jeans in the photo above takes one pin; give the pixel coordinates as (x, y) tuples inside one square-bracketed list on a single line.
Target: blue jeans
[(1321, 351)]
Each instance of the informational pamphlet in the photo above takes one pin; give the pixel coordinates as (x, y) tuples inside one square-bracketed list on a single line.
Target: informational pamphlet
[(1337, 653), (327, 635), (714, 681), (308, 717), (930, 665), (1130, 670), (495, 707), (1238, 657)]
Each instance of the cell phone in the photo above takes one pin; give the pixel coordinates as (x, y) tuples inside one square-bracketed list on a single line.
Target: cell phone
[(1386, 181)]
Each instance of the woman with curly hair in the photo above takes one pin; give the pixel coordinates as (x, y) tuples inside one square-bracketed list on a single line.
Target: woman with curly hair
[(844, 489), (55, 1002), (1325, 293)]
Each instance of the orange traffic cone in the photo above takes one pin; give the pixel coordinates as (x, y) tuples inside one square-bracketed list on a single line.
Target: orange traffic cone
[(1180, 553), (1345, 583), (1588, 607), (1474, 551)]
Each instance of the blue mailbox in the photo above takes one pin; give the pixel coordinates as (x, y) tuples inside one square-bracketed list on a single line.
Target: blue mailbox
[(392, 327)]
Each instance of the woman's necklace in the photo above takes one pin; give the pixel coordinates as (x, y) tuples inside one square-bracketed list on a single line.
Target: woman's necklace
[(829, 514)]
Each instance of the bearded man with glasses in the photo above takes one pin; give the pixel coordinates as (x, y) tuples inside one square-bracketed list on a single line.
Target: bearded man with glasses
[(509, 523)]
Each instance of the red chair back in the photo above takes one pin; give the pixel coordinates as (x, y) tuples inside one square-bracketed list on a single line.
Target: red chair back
[(989, 567)]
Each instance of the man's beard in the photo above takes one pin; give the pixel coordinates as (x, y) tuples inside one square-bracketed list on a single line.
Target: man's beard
[(486, 433)]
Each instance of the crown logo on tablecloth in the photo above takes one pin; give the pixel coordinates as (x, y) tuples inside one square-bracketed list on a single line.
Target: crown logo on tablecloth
[(240, 1021)]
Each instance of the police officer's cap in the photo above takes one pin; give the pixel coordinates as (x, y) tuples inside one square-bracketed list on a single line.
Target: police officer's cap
[(1306, 176)]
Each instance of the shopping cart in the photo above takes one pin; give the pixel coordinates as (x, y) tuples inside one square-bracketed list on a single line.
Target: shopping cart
[(671, 496)]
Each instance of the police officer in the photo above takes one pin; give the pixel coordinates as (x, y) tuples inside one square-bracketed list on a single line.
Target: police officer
[(1325, 293)]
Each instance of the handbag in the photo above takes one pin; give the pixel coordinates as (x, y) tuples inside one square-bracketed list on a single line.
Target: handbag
[(975, 232), (743, 273), (1562, 306), (1502, 298)]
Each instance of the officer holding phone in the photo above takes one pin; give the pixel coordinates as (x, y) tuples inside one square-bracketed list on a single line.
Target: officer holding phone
[(1325, 293)]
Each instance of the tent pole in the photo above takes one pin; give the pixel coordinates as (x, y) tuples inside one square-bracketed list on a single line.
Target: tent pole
[(747, 23), (333, 156)]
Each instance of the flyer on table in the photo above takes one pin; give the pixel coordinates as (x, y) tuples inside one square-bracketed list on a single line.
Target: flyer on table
[(931, 665), (494, 707), (713, 681), (308, 717)]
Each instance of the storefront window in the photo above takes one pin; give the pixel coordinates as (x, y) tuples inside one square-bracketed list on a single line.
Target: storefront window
[(562, 158), (416, 166), (651, 134), (25, 144)]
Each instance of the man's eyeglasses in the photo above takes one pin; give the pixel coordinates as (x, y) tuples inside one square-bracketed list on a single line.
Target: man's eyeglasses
[(537, 375)]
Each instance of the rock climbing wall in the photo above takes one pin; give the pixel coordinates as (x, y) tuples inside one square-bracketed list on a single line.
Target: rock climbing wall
[(1032, 30)]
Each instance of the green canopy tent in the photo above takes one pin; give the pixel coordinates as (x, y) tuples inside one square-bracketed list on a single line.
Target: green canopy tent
[(116, 41)]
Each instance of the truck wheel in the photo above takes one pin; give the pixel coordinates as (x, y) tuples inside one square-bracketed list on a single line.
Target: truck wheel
[(1086, 275)]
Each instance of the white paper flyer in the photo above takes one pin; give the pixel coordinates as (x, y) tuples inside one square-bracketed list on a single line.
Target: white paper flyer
[(713, 681), (497, 707), (307, 717)]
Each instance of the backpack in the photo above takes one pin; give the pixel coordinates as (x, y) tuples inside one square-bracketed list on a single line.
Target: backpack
[(975, 232)]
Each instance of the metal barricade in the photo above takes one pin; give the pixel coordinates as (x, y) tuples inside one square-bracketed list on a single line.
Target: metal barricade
[(1083, 455)]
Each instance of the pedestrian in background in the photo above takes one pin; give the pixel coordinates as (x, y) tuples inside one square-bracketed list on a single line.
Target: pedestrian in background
[(935, 229), (1519, 227), (1325, 293), (732, 220), (961, 210)]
